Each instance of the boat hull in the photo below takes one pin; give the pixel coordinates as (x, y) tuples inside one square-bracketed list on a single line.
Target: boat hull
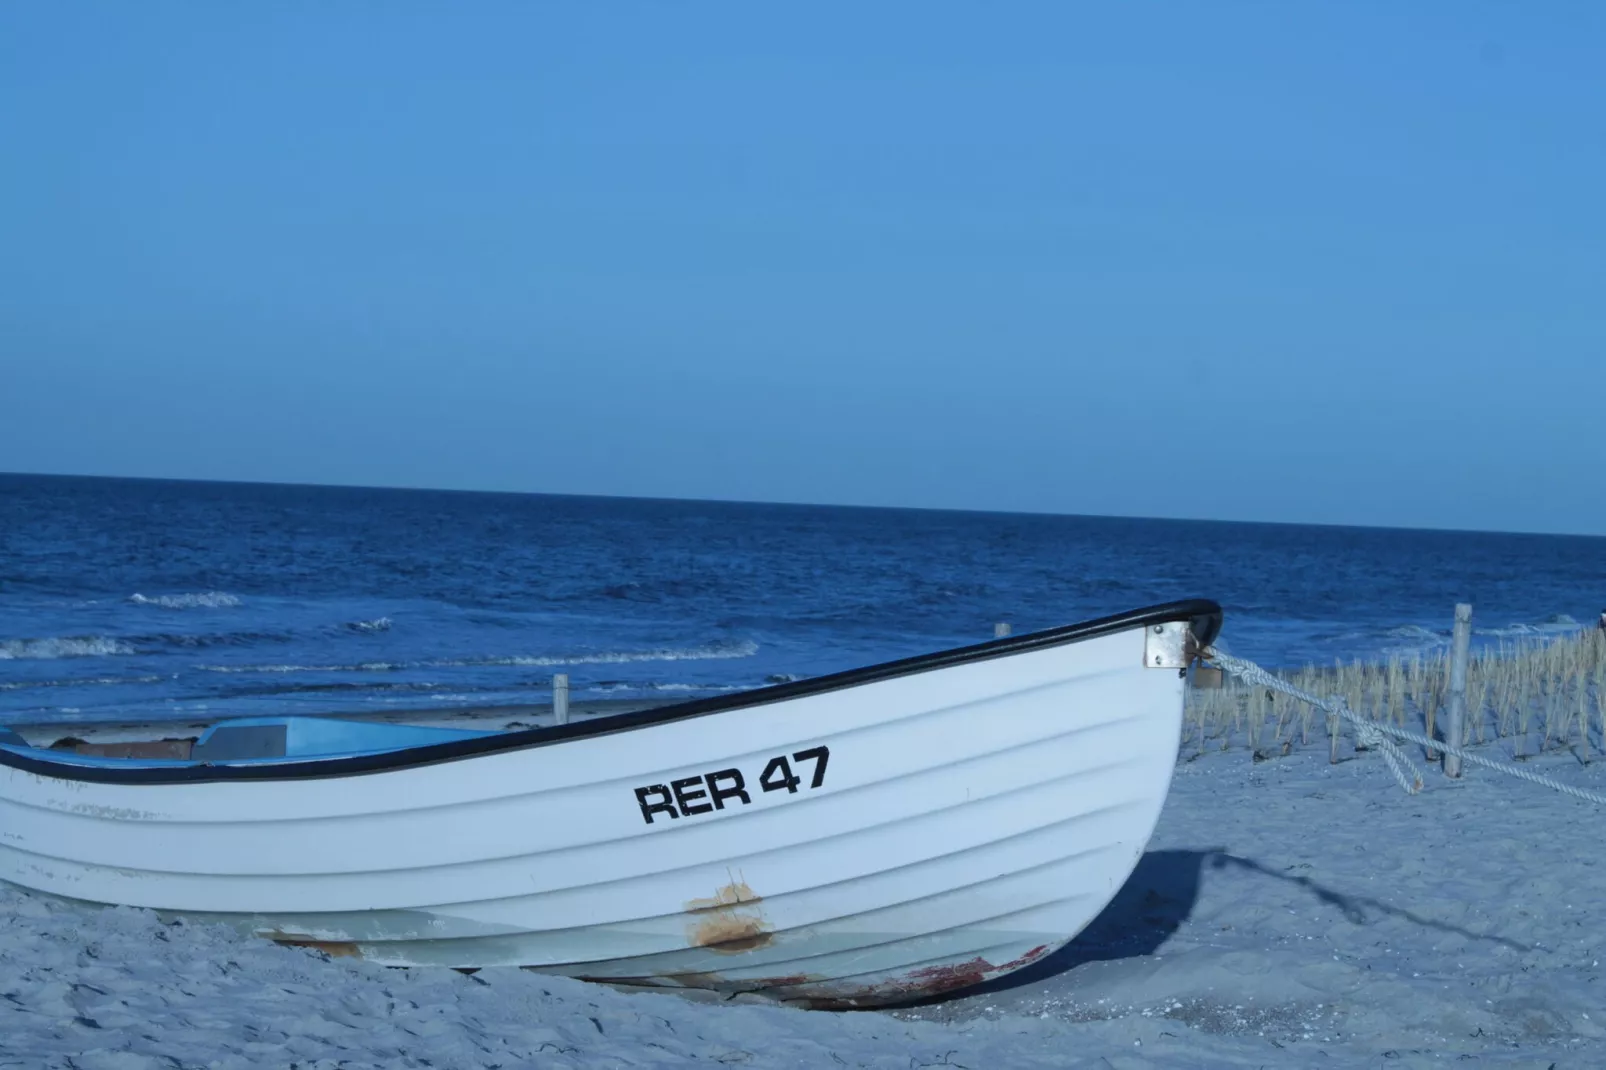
[(858, 846)]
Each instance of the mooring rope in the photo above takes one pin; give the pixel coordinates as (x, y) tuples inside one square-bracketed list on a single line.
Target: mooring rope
[(1376, 734)]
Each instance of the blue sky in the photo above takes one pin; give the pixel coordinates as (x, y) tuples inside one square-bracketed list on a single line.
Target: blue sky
[(1317, 262)]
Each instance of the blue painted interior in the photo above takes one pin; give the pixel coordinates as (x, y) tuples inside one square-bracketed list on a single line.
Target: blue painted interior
[(305, 737), (317, 737)]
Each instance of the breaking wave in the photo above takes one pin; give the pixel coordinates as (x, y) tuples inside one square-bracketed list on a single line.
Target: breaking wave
[(713, 651), (1559, 624), (204, 600), (1417, 632), (89, 681), (1411, 641), (1414, 640), (626, 687), (368, 627), (88, 646), (366, 666), (746, 648)]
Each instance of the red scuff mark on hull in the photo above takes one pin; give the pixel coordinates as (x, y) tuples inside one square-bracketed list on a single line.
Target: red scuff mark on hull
[(1027, 959), (819, 993), (923, 983), (335, 949)]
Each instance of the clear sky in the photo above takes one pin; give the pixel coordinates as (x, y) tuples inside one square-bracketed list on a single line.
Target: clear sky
[(1321, 262)]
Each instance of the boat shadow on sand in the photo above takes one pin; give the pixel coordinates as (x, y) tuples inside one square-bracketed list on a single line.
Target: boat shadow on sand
[(1148, 910), (1160, 896)]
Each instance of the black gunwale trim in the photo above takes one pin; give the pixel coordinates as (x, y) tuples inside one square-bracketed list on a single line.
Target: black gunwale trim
[(1203, 617)]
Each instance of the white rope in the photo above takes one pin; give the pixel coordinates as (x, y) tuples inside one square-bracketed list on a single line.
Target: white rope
[(1375, 734)]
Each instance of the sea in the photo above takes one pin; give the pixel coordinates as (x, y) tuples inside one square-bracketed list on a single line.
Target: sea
[(150, 600)]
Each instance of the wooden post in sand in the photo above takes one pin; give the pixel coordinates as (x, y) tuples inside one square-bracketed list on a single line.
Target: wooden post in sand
[(560, 698), (1455, 713), (1000, 630)]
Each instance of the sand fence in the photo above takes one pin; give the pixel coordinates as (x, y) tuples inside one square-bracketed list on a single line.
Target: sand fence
[(1533, 695)]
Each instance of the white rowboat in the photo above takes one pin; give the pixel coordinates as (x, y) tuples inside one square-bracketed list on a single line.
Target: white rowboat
[(860, 839)]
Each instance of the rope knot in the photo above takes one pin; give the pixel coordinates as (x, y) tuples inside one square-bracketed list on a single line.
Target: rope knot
[(1368, 736)]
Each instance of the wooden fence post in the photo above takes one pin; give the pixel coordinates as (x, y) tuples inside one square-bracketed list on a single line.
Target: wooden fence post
[(1456, 707), (560, 698)]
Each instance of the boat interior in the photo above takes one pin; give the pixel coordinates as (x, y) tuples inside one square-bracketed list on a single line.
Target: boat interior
[(252, 739)]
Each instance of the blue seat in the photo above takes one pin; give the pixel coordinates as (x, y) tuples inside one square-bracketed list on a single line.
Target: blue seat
[(315, 737)]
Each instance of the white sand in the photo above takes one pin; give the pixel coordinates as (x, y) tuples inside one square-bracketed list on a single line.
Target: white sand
[(1289, 913)]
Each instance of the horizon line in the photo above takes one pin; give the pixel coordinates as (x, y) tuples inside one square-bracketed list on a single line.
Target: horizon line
[(412, 488)]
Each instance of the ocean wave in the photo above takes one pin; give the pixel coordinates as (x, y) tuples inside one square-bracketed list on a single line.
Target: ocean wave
[(203, 600), (366, 666), (1414, 640), (1556, 625), (88, 681), (86, 646), (336, 687), (1416, 631), (745, 648), (151, 642), (712, 651), (204, 640)]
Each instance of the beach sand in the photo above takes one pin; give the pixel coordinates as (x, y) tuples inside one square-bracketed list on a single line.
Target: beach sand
[(1288, 913)]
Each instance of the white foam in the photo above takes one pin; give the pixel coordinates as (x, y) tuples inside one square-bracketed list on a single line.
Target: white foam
[(634, 689), (378, 624), (717, 651), (91, 646), (744, 649), (1416, 631), (203, 600), (90, 681), (1423, 642), (1560, 624), (367, 666)]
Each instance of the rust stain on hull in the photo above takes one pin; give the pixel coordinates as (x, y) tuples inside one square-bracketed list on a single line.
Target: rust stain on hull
[(338, 949), (736, 893), (169, 748), (927, 982), (814, 992), (730, 922), (732, 935)]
